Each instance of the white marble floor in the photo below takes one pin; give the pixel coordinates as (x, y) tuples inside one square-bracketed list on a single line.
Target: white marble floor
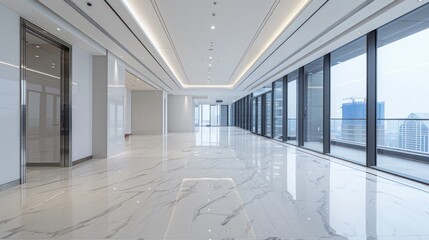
[(217, 183)]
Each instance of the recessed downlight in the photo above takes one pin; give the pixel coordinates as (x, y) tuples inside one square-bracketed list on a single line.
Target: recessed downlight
[(210, 57), (210, 64), (58, 29), (36, 56), (213, 27), (37, 46)]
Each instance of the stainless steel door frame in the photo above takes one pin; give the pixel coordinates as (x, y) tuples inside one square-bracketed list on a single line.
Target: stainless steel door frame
[(66, 95)]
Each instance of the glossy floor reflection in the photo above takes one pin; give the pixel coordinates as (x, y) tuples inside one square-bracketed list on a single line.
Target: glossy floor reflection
[(216, 183)]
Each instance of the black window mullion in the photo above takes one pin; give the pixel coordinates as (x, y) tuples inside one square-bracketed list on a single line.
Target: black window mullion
[(327, 103), (300, 118), (371, 102), (272, 109), (285, 108)]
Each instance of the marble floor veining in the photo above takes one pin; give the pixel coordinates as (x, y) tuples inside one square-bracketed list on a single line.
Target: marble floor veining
[(215, 183)]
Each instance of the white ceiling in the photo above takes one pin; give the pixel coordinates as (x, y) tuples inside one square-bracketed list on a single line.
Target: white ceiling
[(188, 40), (136, 84), (166, 42)]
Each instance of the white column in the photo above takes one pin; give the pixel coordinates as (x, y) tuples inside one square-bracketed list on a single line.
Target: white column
[(108, 110)]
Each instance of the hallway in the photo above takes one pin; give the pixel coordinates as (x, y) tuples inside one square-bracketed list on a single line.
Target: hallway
[(215, 183)]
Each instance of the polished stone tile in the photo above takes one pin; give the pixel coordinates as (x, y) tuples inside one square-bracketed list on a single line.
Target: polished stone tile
[(216, 183)]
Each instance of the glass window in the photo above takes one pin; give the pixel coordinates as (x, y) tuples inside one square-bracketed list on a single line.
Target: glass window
[(254, 124), (402, 95), (205, 115), (259, 116), (292, 103), (348, 101), (231, 115), (313, 105), (197, 115), (278, 110), (268, 128)]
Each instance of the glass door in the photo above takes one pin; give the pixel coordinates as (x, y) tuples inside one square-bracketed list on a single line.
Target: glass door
[(43, 89), (45, 100)]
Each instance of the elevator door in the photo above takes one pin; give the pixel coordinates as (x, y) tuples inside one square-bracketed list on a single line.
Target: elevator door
[(43, 90)]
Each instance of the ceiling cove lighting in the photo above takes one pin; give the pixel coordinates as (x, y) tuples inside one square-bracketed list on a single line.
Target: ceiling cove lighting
[(287, 21), (144, 25)]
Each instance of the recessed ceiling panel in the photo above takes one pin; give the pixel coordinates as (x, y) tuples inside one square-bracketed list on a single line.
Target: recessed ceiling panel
[(209, 38)]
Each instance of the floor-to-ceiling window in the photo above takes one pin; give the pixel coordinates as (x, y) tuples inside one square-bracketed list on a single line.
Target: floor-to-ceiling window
[(292, 103), (259, 115), (254, 113), (205, 115), (232, 115), (268, 114), (313, 105), (402, 95), (348, 101), (197, 115), (394, 85), (278, 110), (213, 115)]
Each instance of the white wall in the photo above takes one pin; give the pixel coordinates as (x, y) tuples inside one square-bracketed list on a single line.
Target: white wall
[(9, 96), (82, 104), (128, 112), (99, 101), (116, 105), (180, 114), (147, 112)]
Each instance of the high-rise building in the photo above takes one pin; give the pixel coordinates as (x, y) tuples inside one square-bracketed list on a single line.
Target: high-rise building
[(414, 133), (353, 124)]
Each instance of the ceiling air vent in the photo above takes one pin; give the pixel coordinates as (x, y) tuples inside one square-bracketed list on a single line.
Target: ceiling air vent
[(219, 101)]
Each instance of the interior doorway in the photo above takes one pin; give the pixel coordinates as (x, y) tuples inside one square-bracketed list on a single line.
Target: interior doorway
[(211, 115), (45, 100)]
